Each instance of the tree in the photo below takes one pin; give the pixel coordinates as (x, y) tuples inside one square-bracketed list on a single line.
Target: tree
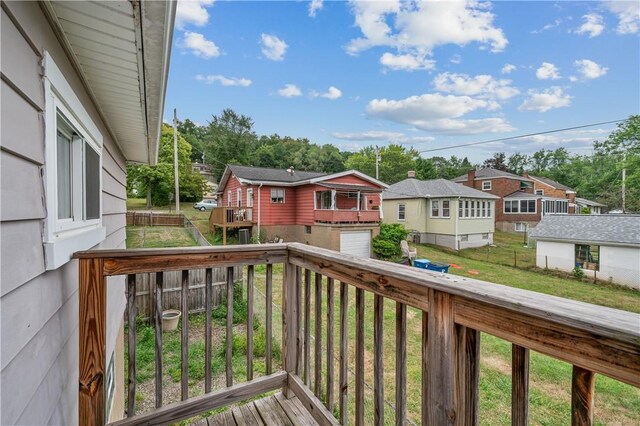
[(496, 162), (158, 181), (395, 162), (517, 163)]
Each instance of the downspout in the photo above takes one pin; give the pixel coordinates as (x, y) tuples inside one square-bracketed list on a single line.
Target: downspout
[(456, 224), (259, 187)]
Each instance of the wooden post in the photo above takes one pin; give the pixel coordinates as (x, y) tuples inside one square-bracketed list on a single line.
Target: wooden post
[(582, 387), (442, 406), (289, 325), (92, 331), (468, 374), (401, 364), (519, 385), (158, 330)]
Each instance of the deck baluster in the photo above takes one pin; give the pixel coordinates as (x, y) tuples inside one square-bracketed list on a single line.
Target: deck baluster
[(158, 331), (519, 385), (582, 392), (378, 365), (344, 358), (307, 330), (318, 326), (184, 378), (131, 321), (330, 360), (401, 364), (250, 274), (268, 322), (229, 333), (359, 357)]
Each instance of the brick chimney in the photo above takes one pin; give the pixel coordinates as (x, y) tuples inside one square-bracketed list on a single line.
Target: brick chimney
[(471, 176), (525, 174), (411, 174)]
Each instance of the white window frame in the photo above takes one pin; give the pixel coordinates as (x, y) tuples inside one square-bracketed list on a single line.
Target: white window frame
[(521, 225), (239, 197), (283, 195), (229, 198), (404, 212), (539, 191), (486, 187), (448, 209), (435, 208), (250, 197), (63, 237)]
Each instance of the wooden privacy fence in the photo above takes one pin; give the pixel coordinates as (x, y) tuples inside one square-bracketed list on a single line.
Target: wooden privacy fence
[(172, 287), (154, 219)]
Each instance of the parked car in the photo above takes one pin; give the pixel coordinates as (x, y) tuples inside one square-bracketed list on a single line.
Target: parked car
[(205, 205)]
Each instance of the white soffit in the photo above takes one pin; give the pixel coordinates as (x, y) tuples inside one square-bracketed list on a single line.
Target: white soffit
[(122, 50)]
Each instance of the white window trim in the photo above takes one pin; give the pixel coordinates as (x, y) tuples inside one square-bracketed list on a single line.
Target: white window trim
[(62, 239), (487, 188), (535, 204), (250, 197), (405, 213), (229, 198), (239, 197), (539, 191)]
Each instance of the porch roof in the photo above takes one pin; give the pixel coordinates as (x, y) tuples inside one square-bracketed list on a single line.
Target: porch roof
[(350, 187)]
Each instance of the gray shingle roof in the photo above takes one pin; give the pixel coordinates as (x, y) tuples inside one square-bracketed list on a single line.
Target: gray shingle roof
[(414, 188), (616, 229), (553, 183), (585, 202), (486, 173), (271, 175)]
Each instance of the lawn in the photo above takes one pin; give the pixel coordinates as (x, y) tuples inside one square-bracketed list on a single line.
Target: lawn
[(158, 236), (508, 249)]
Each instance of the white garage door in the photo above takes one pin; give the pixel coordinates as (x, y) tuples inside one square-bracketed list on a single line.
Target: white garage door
[(357, 243)]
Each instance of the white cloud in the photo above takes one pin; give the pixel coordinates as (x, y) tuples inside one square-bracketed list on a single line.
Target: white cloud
[(407, 62), (547, 71), (379, 135), (546, 100), (593, 25), (508, 68), (272, 47), (554, 24), (192, 12), (225, 81), (199, 46), (314, 7), (482, 86), (437, 112), (628, 15), (589, 69), (289, 91), (332, 93), (416, 28), (456, 59)]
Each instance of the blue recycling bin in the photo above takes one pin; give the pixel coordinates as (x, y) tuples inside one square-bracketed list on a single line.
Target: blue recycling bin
[(421, 263), (440, 267)]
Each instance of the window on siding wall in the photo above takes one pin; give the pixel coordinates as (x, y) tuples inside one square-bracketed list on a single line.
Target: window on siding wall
[(229, 199), (401, 212), (445, 208), (474, 209), (435, 208), (539, 191), (277, 195), (73, 172), (239, 197)]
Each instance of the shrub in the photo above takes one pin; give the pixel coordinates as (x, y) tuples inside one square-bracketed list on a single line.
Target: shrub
[(387, 245), (239, 307), (578, 273)]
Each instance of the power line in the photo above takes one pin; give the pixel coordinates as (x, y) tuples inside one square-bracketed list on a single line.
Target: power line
[(521, 136)]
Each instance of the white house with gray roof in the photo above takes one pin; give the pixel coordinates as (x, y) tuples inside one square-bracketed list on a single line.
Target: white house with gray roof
[(441, 212), (607, 246)]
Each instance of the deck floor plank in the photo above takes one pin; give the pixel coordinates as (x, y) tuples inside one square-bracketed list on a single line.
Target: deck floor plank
[(296, 412), (270, 410), (222, 419)]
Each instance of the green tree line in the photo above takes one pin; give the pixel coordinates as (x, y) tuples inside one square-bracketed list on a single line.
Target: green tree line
[(229, 138)]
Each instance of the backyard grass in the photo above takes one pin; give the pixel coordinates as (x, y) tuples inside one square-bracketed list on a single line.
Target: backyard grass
[(603, 294), (508, 249), (158, 236)]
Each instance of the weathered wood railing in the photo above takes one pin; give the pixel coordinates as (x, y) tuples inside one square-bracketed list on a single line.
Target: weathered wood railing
[(454, 312)]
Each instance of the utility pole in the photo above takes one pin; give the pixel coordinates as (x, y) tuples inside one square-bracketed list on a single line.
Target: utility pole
[(377, 162), (175, 159), (624, 183)]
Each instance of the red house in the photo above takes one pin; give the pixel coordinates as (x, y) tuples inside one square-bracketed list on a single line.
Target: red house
[(339, 211)]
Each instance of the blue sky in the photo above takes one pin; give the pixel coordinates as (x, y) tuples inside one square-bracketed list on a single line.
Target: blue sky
[(425, 74)]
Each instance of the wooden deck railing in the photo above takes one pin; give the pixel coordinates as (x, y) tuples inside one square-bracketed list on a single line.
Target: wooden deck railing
[(454, 310), (231, 216)]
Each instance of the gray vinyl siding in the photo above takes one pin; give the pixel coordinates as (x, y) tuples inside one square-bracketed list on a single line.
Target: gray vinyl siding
[(38, 309)]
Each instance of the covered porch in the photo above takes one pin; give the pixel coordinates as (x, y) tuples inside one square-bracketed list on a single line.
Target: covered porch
[(344, 203)]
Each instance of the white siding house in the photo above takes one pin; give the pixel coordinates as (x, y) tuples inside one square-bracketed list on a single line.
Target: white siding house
[(604, 246), (71, 72), (441, 212)]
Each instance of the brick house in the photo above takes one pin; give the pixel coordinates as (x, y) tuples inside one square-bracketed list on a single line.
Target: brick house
[(339, 211), (547, 187), (519, 208)]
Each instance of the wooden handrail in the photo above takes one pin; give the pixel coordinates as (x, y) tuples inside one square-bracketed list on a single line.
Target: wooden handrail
[(455, 310)]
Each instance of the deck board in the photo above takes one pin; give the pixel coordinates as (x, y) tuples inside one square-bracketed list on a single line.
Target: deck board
[(271, 410)]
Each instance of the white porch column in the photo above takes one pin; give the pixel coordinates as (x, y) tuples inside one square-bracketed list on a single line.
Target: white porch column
[(358, 201), (333, 199), (380, 207)]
